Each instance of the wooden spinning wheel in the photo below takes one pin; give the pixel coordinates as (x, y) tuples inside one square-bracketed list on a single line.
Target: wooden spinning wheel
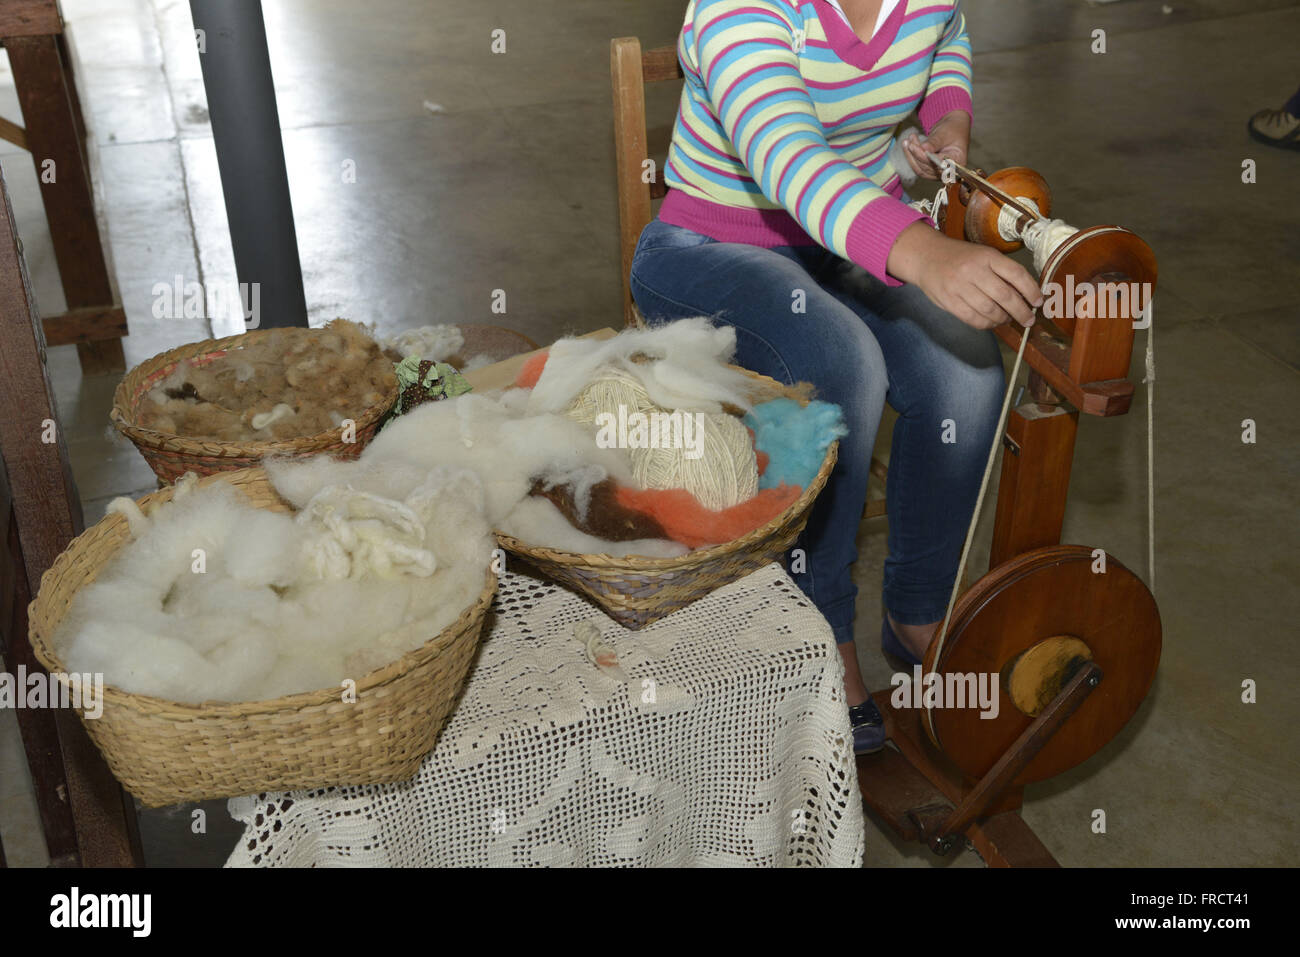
[(1067, 635)]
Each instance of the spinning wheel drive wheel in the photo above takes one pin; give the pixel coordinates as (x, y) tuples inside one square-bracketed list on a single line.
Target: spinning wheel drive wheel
[(1097, 255), (1033, 621)]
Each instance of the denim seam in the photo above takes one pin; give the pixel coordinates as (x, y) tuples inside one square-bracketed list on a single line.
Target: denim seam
[(634, 280)]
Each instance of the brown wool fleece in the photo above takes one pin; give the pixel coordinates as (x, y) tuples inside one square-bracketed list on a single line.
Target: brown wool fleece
[(325, 375), (606, 518)]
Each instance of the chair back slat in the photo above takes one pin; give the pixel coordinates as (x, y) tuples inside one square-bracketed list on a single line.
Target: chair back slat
[(630, 69)]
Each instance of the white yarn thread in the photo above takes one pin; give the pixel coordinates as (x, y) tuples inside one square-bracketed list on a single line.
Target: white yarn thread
[(725, 474), (932, 208), (979, 502), (1150, 382), (1041, 237), (358, 533)]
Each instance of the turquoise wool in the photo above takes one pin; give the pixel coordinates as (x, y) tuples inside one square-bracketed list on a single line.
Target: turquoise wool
[(795, 438)]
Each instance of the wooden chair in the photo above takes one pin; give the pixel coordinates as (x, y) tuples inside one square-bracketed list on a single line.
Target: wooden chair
[(87, 818), (630, 69)]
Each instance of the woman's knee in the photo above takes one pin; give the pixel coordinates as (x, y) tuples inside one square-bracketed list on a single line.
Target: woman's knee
[(965, 383)]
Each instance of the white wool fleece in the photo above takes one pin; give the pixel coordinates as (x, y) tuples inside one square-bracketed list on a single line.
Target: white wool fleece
[(215, 600), (692, 373)]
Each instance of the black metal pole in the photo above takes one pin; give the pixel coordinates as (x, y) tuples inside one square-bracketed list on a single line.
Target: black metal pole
[(250, 154)]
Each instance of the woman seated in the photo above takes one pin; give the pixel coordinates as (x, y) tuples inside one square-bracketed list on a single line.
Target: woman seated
[(786, 218)]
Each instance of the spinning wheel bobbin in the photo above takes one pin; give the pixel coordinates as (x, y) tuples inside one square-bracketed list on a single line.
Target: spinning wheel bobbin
[(983, 210), (1011, 208)]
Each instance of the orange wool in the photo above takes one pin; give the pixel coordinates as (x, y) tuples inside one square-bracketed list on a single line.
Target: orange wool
[(531, 371), (761, 458), (685, 520)]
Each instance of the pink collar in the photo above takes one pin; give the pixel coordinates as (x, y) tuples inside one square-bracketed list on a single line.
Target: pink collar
[(848, 45)]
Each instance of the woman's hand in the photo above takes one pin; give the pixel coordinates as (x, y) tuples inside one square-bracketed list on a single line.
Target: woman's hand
[(977, 284), (949, 138)]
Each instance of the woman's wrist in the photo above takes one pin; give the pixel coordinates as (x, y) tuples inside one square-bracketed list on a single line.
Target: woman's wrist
[(914, 246)]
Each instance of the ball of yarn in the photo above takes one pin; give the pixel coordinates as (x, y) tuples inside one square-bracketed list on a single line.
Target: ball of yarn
[(722, 474), (726, 474), (612, 388)]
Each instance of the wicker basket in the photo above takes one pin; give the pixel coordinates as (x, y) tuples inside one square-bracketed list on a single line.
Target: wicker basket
[(636, 591), (171, 456), (164, 752)]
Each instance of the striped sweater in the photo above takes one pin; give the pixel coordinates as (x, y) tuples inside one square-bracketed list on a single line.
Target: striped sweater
[(787, 118)]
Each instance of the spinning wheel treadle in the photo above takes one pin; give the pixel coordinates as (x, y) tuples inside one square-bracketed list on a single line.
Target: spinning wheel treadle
[(1045, 595)]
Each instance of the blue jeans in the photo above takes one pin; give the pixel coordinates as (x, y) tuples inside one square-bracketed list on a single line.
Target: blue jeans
[(802, 314)]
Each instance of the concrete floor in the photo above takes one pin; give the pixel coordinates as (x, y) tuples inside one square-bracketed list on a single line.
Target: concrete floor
[(511, 187)]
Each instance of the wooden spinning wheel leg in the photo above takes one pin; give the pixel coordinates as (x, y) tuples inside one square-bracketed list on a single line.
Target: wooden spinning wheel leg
[(989, 787), (917, 795), (914, 795), (1035, 479)]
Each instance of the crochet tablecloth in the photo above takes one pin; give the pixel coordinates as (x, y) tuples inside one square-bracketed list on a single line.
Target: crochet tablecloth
[(725, 742)]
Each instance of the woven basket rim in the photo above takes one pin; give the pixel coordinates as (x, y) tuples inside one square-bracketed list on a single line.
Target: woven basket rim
[(43, 649), (644, 563), (131, 390)]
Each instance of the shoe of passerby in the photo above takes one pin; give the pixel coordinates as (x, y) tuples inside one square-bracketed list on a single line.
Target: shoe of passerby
[(1276, 128)]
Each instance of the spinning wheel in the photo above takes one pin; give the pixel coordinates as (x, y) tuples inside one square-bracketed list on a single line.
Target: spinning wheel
[(1067, 636)]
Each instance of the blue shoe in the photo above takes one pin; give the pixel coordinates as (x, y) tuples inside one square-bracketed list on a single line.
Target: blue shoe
[(868, 728), (890, 644)]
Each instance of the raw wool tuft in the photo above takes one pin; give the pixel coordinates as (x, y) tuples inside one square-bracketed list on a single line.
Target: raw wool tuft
[(685, 520), (580, 482), (538, 521), (289, 383), (601, 515), (257, 618), (493, 437), (353, 534), (691, 372), (794, 438), (438, 342)]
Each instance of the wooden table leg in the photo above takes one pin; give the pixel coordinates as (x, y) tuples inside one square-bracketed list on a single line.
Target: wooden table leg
[(54, 132)]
